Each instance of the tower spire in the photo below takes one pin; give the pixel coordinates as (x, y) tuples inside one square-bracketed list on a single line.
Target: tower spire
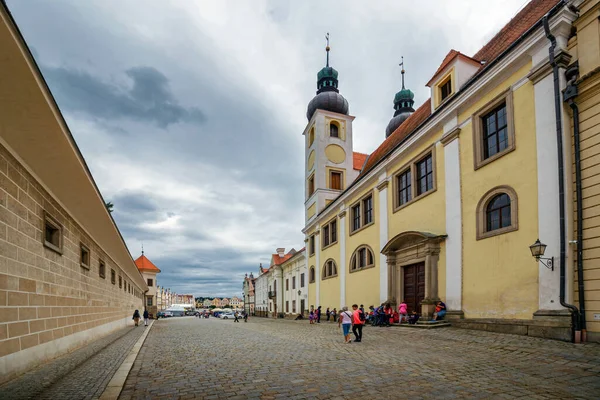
[(402, 66), (327, 48)]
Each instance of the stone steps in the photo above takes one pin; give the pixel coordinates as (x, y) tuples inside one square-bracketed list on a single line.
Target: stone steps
[(427, 325)]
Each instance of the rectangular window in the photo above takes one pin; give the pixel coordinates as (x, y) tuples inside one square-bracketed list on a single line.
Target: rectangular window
[(446, 89), (120, 282), (294, 306), (311, 245), (326, 237), (287, 284), (101, 269), (404, 185), (356, 217), (495, 131), (293, 282), (150, 282), (84, 256), (113, 276), (311, 185), (287, 306), (52, 234), (149, 301), (302, 280), (368, 210), (335, 180), (424, 175), (330, 233)]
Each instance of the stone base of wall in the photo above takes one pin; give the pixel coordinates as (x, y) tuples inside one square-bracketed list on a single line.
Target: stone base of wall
[(17, 363), (593, 337), (554, 327)]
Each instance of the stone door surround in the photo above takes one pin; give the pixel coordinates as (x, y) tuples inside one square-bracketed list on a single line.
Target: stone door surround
[(408, 248)]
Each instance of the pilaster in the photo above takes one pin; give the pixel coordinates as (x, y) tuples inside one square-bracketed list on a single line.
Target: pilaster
[(317, 269), (342, 267), (383, 238)]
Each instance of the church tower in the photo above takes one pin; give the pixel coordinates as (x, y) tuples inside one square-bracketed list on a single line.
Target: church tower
[(403, 106), (328, 155)]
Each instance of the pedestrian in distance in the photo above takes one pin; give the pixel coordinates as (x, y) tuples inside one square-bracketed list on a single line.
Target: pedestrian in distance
[(136, 317), (319, 315), (236, 317), (345, 321), (328, 313), (245, 316), (358, 320), (334, 315), (311, 317), (146, 317)]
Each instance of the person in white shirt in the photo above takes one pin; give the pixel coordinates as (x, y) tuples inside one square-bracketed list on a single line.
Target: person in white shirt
[(345, 321)]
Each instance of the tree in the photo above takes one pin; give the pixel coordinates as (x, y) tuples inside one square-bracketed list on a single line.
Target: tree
[(109, 206), (212, 307), (227, 306)]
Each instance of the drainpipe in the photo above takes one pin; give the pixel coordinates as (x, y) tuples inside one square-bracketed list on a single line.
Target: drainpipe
[(576, 333), (569, 95)]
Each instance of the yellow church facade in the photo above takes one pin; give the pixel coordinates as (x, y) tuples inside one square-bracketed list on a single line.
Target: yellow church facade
[(447, 207)]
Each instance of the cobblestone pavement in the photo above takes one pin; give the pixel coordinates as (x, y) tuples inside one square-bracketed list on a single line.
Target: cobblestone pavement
[(82, 374), (188, 358)]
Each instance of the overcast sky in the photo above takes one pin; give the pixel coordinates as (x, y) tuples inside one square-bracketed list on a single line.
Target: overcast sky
[(190, 113)]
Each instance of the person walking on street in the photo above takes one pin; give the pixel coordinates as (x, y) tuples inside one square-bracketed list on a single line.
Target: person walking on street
[(136, 317), (345, 321), (236, 317), (358, 320), (245, 316), (334, 315), (319, 315), (328, 314), (146, 317)]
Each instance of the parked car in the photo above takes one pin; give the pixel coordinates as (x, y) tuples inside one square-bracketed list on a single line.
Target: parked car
[(167, 314), (227, 315)]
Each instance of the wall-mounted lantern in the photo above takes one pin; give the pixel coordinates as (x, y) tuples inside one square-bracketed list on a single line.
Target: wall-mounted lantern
[(537, 251)]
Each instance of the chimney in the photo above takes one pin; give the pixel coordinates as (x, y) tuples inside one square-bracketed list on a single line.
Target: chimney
[(281, 251)]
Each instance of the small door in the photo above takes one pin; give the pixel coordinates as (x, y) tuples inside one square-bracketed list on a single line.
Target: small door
[(302, 306), (414, 286)]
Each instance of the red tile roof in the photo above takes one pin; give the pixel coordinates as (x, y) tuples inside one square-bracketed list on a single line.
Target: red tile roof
[(516, 27), (144, 264), (513, 30), (358, 160), (277, 260), (448, 59)]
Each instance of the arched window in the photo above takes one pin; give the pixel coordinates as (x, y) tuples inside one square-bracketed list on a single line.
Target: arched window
[(362, 258), (334, 130), (329, 269), (311, 136), (311, 275), (497, 212)]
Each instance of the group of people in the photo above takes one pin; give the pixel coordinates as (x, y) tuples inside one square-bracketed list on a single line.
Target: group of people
[(136, 317), (384, 315)]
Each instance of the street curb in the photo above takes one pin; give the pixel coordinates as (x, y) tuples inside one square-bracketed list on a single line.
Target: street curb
[(114, 387)]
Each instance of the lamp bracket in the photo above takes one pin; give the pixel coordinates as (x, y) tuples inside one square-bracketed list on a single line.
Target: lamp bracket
[(548, 264)]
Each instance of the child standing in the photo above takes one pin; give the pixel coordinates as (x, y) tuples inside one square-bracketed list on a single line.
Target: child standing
[(311, 317), (403, 311)]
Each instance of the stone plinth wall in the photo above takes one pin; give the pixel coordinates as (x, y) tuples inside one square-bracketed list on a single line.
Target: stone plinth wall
[(545, 328), (48, 301)]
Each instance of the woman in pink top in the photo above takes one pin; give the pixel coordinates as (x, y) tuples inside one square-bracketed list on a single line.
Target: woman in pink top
[(403, 311)]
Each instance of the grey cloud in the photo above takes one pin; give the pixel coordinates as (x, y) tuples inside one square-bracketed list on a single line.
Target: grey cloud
[(149, 98)]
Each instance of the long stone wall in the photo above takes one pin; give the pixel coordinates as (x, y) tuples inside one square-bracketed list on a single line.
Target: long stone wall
[(49, 303)]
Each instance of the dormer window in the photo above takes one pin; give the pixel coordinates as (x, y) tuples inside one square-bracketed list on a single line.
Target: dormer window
[(445, 89)]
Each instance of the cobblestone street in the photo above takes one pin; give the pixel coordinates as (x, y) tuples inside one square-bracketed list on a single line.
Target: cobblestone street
[(266, 359)]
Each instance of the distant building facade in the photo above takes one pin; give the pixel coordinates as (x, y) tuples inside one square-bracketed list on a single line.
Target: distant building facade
[(149, 272)]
